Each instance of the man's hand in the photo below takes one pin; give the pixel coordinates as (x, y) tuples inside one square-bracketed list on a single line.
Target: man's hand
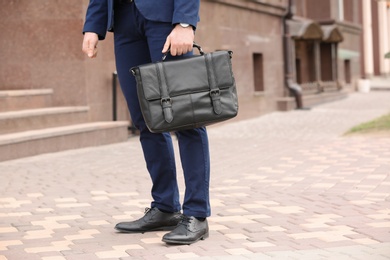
[(180, 40), (90, 44)]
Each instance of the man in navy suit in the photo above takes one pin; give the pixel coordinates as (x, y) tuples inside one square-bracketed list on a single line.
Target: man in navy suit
[(143, 30)]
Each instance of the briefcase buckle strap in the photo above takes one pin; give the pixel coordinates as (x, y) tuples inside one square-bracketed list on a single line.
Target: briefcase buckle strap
[(215, 95), (215, 92), (166, 104), (165, 101)]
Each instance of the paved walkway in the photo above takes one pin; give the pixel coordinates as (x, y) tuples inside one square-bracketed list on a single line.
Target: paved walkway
[(285, 185)]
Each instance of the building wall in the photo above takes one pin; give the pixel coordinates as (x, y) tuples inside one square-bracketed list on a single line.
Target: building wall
[(381, 33), (42, 49), (375, 15), (350, 50), (347, 18), (36, 50), (247, 28), (351, 13), (350, 56), (316, 10)]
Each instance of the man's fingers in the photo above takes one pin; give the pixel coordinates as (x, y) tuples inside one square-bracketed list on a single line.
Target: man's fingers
[(178, 49), (166, 45), (91, 51), (90, 44), (179, 41), (174, 51), (85, 47)]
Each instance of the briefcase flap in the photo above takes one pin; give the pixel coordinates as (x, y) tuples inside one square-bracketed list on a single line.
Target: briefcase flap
[(186, 76)]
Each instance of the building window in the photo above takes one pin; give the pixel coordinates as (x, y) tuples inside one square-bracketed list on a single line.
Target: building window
[(326, 62), (298, 71), (347, 71), (258, 72)]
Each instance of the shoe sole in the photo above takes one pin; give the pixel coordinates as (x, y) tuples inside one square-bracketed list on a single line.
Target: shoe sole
[(168, 228), (180, 242)]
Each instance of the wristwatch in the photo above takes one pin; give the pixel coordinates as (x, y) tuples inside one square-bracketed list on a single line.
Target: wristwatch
[(184, 25)]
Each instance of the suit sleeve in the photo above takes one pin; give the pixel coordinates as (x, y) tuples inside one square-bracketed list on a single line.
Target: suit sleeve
[(186, 11), (96, 18)]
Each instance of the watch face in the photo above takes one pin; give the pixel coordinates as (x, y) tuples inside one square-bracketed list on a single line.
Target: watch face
[(184, 25)]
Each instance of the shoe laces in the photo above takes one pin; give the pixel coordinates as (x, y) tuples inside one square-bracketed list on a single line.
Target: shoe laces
[(147, 210), (184, 220)]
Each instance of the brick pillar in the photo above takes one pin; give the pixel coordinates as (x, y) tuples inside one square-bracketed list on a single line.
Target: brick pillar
[(367, 39), (384, 64)]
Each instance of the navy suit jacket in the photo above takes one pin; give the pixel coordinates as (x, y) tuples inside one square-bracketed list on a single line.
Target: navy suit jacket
[(99, 17)]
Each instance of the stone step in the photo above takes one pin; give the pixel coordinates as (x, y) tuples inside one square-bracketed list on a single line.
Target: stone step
[(11, 100), (380, 83), (30, 143), (33, 119), (289, 103)]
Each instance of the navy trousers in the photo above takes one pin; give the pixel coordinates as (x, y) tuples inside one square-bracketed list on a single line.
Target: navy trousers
[(139, 41)]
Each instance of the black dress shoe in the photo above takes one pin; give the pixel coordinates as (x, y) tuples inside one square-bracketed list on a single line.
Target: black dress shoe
[(188, 231), (153, 220)]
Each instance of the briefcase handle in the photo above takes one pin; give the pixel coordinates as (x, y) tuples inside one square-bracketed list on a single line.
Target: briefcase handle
[(194, 45)]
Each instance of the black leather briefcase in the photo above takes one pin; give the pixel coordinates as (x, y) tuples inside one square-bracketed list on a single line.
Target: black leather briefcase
[(187, 93)]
